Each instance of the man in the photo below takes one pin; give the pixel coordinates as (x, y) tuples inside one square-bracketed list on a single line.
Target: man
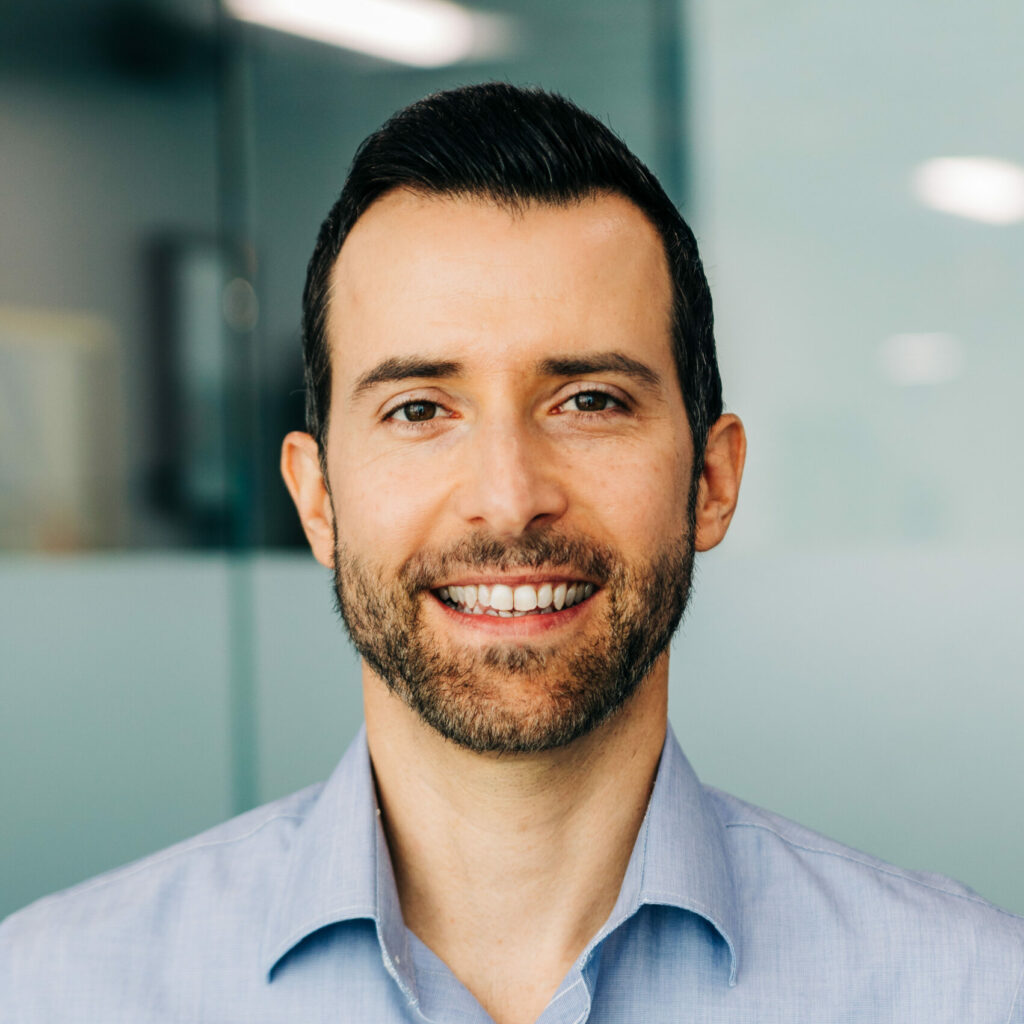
[(516, 446)]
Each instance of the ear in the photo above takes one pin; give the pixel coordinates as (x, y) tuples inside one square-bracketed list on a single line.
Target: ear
[(300, 467), (719, 486)]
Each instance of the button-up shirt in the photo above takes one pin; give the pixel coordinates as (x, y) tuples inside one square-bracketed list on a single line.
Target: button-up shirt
[(727, 913)]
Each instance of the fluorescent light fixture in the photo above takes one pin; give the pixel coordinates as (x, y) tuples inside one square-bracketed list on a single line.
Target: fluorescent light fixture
[(928, 358), (979, 187), (423, 33)]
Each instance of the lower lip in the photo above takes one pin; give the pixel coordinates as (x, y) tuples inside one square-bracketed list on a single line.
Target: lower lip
[(514, 627)]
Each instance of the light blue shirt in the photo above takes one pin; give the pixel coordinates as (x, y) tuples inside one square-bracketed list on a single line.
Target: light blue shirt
[(289, 914)]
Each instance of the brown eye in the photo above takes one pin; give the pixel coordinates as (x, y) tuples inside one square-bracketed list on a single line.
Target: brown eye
[(591, 401), (415, 412)]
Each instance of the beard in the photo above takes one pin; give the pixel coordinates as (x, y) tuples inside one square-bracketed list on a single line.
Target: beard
[(516, 697)]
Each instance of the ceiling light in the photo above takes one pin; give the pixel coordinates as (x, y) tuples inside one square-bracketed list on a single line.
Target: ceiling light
[(931, 358), (423, 33), (979, 187)]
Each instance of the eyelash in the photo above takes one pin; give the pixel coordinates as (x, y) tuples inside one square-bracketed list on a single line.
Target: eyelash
[(615, 405), (391, 414)]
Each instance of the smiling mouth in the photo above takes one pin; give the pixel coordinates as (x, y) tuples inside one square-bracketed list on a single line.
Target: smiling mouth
[(508, 602)]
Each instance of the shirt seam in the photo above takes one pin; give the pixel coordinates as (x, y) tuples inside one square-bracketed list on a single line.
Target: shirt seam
[(411, 992), (664, 898), (892, 872), (1016, 996), (565, 992), (691, 906), (156, 860), (338, 915), (643, 862)]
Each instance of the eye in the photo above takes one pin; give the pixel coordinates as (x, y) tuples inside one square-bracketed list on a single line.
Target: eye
[(591, 401), (416, 412)]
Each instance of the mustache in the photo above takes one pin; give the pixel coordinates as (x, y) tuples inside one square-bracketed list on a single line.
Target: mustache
[(483, 553)]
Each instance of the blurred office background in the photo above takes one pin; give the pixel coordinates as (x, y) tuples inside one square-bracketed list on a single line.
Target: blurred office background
[(855, 174)]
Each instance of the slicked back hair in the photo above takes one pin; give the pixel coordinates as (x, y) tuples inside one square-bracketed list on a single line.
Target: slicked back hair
[(514, 147)]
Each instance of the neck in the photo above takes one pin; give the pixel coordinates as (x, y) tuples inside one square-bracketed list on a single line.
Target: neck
[(507, 865)]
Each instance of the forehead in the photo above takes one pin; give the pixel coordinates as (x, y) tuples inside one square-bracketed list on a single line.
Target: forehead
[(468, 279)]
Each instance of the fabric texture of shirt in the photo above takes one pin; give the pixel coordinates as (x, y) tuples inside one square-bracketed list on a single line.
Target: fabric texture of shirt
[(727, 913)]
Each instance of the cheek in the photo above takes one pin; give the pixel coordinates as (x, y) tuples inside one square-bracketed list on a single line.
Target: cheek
[(652, 512), (385, 510), (637, 499)]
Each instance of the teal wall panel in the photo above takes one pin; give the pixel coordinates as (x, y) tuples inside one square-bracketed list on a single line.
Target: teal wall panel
[(113, 713), (308, 678)]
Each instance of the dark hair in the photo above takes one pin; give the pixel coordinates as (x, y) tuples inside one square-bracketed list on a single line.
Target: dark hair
[(513, 146)]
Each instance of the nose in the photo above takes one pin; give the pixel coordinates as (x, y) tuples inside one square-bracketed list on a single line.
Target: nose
[(511, 482)]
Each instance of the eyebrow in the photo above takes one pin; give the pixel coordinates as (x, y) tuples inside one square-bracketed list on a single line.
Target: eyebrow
[(395, 369), (601, 362)]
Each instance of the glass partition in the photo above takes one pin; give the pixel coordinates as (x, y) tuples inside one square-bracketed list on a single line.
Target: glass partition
[(170, 650)]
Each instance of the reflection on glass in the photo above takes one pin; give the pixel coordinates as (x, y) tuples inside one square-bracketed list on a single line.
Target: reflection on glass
[(422, 33), (56, 394), (978, 187)]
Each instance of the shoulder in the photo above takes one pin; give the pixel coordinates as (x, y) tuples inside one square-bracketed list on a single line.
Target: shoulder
[(805, 851), (215, 880), (915, 926), (256, 837)]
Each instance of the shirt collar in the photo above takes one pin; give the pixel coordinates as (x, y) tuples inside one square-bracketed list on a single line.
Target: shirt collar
[(680, 858), (339, 868)]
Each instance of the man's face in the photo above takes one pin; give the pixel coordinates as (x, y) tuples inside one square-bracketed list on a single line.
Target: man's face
[(509, 461)]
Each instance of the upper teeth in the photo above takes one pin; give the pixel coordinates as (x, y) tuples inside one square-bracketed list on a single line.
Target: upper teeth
[(501, 599)]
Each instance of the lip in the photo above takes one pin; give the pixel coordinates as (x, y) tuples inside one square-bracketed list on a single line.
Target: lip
[(523, 627)]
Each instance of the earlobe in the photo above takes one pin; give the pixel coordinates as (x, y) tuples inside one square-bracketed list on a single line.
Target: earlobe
[(719, 488), (300, 467)]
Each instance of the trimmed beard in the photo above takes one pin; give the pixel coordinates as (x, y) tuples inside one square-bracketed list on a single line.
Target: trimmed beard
[(475, 696)]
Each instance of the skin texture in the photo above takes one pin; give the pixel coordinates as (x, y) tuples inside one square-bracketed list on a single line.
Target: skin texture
[(507, 863)]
